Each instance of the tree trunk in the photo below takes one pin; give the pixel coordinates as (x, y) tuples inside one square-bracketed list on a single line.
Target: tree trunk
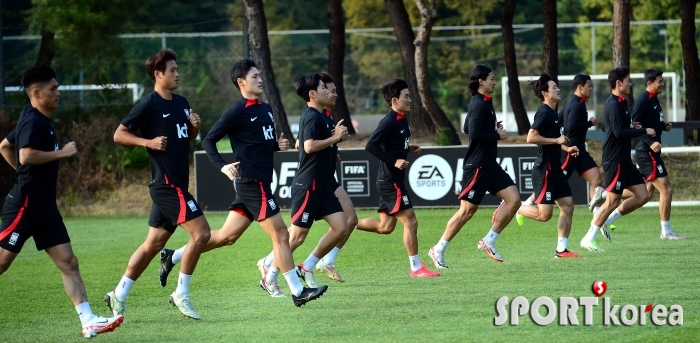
[(260, 49), (691, 64), (516, 99), (419, 119), (550, 57), (336, 61), (46, 48), (437, 115), (621, 33)]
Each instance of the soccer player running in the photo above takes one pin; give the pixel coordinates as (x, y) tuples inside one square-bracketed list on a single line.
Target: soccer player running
[(647, 111), (390, 143), (620, 173), (575, 121), (327, 264), (167, 125), (312, 195), (548, 177), (30, 208), (481, 171), (249, 125)]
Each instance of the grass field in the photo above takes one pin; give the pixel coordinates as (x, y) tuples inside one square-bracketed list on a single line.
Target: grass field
[(379, 302)]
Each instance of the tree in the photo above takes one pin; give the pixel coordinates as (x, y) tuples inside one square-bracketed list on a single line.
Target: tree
[(622, 13), (46, 47), (336, 61), (690, 57), (260, 48), (443, 125), (516, 98), (550, 41), (422, 124)]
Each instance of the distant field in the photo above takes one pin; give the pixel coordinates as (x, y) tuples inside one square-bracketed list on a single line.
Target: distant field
[(379, 302)]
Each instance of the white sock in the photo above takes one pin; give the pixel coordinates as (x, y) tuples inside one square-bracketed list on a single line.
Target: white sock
[(177, 254), (603, 193), (272, 275), (595, 210), (415, 262), (491, 237), (269, 259), (330, 257), (183, 285), (441, 246), (615, 215), (123, 288), (85, 313), (310, 262), (665, 228), (528, 202), (592, 232), (293, 282), (562, 243)]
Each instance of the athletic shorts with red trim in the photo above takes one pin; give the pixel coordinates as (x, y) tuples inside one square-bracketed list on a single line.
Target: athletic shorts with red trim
[(393, 197), (477, 181), (620, 176), (171, 207), (549, 184), (308, 206), (254, 200), (581, 164), (650, 165), (19, 223)]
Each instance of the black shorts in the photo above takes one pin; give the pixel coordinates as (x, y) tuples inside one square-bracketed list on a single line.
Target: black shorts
[(650, 165), (477, 181), (254, 200), (581, 164), (172, 206), (550, 184), (393, 197), (620, 176), (19, 223), (308, 206)]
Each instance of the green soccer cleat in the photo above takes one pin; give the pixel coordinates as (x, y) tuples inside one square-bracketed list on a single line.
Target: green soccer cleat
[(520, 219), (117, 307), (591, 246), (184, 304)]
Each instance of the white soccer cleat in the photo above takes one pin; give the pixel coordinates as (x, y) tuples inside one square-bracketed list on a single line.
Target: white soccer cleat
[(605, 232), (306, 276), (330, 271), (438, 259), (117, 307), (99, 325), (597, 198), (272, 289), (591, 246), (262, 268), (672, 237), (184, 304), (490, 250)]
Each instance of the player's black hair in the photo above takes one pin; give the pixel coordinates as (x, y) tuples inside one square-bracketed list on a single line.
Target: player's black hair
[(651, 75), (480, 72), (240, 70), (326, 78), (307, 83), (541, 85), (580, 80), (157, 62), (392, 89), (617, 74), (36, 75)]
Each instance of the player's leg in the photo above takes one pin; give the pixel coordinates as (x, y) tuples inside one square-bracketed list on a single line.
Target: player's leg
[(410, 241), (327, 263), (663, 184), (383, 226), (566, 213), (465, 212), (511, 199), (199, 231), (6, 258), (539, 212), (16, 227)]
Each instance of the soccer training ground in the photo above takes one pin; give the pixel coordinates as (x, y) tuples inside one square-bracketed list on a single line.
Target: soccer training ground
[(379, 302)]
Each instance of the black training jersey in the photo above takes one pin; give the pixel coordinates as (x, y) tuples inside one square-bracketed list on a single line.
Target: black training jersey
[(155, 117), (314, 172), (574, 118), (647, 111), (250, 127), (547, 124), (334, 147), (481, 126), (617, 123), (389, 142), (36, 184)]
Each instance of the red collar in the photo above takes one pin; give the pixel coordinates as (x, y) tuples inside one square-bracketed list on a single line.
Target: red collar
[(251, 102), (651, 95), (400, 116), (620, 99), (328, 112), (582, 99), (487, 98)]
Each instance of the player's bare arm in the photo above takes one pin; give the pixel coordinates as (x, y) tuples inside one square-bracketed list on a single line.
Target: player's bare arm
[(29, 156), (534, 137), (124, 136), (7, 150)]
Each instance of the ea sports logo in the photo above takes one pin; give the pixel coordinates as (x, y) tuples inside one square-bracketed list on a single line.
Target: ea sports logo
[(430, 177)]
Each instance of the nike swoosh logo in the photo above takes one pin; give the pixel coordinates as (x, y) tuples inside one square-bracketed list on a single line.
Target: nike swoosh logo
[(165, 115), (654, 107), (556, 121), (402, 131), (252, 119)]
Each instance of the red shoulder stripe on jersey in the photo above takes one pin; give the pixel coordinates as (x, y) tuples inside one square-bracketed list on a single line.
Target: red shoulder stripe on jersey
[(16, 221), (301, 209), (263, 206)]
